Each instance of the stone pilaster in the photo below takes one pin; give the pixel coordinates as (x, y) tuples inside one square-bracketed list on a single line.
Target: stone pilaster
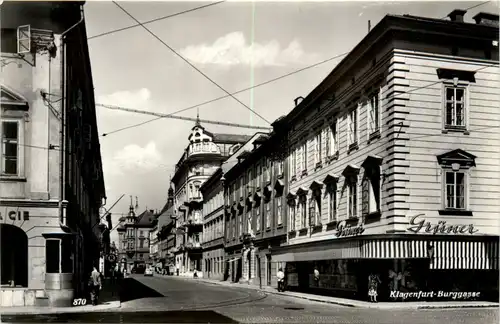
[(245, 265)]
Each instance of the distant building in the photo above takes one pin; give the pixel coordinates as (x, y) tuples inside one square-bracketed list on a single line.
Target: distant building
[(51, 186), (213, 226), (166, 230), (202, 157), (133, 234), (394, 164), (256, 217)]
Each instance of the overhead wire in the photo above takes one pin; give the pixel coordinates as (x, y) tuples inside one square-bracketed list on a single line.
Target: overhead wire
[(233, 93), (155, 20), (395, 95), (472, 7), (189, 63)]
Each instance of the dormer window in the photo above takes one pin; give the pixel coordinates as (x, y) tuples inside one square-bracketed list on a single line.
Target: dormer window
[(456, 167)]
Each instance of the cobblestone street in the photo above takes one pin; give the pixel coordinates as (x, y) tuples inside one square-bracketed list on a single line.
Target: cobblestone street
[(172, 300)]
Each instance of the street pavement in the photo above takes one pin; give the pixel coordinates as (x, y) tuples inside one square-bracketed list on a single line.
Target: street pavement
[(173, 300)]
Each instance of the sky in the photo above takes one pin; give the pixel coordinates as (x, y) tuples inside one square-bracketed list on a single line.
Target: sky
[(236, 44)]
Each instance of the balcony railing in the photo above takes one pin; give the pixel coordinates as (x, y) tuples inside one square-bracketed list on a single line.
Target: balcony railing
[(193, 246), (203, 148)]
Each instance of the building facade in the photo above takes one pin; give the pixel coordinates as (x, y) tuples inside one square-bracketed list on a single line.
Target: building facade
[(213, 226), (133, 235), (394, 164), (166, 233), (51, 182), (256, 220), (202, 157)]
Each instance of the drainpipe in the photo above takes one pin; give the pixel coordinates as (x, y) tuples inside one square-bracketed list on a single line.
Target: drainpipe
[(62, 147)]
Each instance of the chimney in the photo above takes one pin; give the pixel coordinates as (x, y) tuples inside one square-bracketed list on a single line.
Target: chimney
[(298, 100), (457, 15), (487, 19)]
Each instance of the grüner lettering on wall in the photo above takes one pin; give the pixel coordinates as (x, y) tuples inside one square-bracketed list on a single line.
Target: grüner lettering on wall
[(14, 215), (440, 228), (344, 230)]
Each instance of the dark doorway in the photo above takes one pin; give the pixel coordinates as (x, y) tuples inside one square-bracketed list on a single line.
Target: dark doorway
[(14, 255)]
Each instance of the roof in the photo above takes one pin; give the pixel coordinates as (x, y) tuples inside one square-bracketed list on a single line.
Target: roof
[(231, 138), (147, 218)]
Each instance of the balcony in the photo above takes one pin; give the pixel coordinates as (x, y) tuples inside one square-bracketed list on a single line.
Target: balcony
[(193, 246), (194, 222), (202, 148)]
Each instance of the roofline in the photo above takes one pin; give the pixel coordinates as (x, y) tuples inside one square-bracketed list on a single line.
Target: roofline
[(387, 24)]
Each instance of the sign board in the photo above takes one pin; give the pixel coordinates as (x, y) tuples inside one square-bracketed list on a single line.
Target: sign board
[(344, 230), (440, 228), (13, 215), (111, 258)]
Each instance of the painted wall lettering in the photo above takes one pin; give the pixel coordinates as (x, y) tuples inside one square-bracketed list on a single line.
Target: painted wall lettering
[(344, 230), (440, 228), (14, 215)]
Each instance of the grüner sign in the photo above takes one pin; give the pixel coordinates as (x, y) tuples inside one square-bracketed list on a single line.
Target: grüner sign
[(344, 230), (440, 228)]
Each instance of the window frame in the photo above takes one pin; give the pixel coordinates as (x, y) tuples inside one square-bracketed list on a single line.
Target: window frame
[(318, 152), (466, 173), (352, 188), (353, 134), (458, 84), (373, 123), (304, 156), (20, 175), (279, 210), (333, 198)]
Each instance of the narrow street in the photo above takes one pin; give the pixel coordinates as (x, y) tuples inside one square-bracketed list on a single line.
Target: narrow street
[(175, 300)]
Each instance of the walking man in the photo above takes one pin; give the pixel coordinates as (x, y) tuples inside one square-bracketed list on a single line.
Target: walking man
[(95, 286)]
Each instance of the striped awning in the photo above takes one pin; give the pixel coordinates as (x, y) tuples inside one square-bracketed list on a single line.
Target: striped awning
[(443, 254), (394, 249), (464, 255)]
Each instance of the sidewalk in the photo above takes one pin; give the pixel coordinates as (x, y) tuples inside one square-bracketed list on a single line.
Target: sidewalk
[(109, 300), (351, 302)]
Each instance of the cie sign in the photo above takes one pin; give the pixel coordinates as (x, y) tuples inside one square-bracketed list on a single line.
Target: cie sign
[(14, 215)]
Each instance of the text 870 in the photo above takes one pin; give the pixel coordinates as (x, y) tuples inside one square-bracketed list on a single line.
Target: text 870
[(79, 301)]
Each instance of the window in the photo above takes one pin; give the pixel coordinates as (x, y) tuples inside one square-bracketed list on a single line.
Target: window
[(373, 114), (371, 190), (279, 210), (240, 227), (291, 210), (265, 168), (268, 169), (315, 208), (268, 214), (233, 190), (353, 127), (241, 186), (455, 106), (352, 211), (249, 221), (318, 151), (293, 163), (332, 202), (280, 167), (258, 175), (332, 140), (455, 189), (258, 218), (302, 211), (10, 148), (304, 157), (249, 179)]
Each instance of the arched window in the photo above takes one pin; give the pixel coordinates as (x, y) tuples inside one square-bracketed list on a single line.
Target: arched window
[(14, 266)]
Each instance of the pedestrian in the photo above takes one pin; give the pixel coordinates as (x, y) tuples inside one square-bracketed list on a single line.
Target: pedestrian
[(373, 281), (195, 275), (95, 284), (177, 269), (316, 277), (281, 280)]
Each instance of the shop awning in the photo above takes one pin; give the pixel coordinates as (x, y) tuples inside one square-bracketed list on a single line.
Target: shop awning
[(443, 254), (341, 250)]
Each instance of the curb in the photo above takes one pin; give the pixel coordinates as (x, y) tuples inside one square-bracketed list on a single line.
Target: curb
[(69, 310), (346, 304)]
